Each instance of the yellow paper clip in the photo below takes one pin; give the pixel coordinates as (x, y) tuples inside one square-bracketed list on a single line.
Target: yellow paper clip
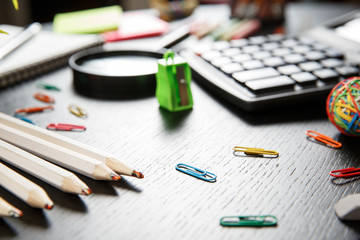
[(255, 151), (78, 111)]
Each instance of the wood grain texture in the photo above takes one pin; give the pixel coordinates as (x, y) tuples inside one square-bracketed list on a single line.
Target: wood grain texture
[(295, 187)]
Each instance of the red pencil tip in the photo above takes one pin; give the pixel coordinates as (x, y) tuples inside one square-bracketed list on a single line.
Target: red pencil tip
[(137, 174), (115, 177), (87, 191), (21, 213), (49, 206)]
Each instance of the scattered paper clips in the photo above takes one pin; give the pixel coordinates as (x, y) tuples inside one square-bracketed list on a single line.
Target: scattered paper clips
[(346, 172), (249, 151), (33, 109), (44, 98), (77, 111), (65, 127), (323, 139), (248, 221), (195, 172)]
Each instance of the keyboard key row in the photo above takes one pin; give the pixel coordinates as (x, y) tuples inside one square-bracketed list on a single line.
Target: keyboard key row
[(272, 84), (268, 80), (247, 63)]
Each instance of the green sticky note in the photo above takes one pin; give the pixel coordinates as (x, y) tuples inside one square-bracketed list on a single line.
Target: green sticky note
[(96, 20)]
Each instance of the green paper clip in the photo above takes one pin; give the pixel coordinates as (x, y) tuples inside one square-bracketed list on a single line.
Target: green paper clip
[(248, 221), (47, 86), (173, 83)]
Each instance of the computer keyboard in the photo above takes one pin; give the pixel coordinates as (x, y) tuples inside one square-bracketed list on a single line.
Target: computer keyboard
[(270, 71)]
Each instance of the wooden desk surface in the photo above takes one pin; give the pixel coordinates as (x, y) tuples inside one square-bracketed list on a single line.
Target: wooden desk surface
[(295, 187)]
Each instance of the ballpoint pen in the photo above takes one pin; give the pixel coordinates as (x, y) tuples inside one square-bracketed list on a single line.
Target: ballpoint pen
[(20, 39)]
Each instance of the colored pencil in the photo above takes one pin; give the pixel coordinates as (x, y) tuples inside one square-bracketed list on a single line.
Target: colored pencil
[(57, 154), (44, 170), (8, 210), (24, 189), (81, 148), (246, 30), (233, 29)]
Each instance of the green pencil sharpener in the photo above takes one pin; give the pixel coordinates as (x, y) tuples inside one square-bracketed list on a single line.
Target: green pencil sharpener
[(173, 83)]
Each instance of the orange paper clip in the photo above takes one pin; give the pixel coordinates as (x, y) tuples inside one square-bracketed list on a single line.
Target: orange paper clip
[(323, 138), (65, 127), (44, 98), (346, 172), (33, 109)]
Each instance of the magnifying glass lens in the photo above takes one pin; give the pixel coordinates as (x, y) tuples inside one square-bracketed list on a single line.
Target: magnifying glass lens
[(121, 65)]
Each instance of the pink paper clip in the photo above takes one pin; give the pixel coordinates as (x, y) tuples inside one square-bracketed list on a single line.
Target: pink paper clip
[(65, 127), (346, 172)]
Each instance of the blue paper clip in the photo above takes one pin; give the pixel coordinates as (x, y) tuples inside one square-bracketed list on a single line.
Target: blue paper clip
[(24, 118), (195, 172)]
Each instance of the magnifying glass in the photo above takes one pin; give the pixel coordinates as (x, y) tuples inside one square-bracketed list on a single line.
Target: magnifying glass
[(122, 72)]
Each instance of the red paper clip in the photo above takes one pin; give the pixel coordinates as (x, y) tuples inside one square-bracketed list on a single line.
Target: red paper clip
[(346, 172), (44, 98), (65, 127), (33, 109), (324, 139)]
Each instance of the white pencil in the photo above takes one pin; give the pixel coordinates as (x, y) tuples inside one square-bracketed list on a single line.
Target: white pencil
[(44, 170), (57, 154), (24, 189), (8, 210), (71, 144)]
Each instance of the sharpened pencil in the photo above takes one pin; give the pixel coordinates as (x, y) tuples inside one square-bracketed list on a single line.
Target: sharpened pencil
[(24, 189), (42, 169), (57, 154), (8, 210), (81, 148)]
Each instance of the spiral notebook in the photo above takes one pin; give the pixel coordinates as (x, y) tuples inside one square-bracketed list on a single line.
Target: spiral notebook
[(44, 52)]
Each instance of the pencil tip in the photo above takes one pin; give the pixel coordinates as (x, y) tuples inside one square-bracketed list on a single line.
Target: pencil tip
[(16, 213), (115, 176), (87, 191), (137, 174), (49, 206)]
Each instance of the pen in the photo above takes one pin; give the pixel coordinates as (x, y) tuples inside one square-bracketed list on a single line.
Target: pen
[(20, 39)]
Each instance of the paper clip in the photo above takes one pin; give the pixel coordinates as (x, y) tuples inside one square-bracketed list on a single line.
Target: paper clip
[(77, 111), (255, 151), (323, 138), (65, 127), (33, 109), (47, 86), (248, 221), (195, 172), (346, 172), (44, 98), (24, 118)]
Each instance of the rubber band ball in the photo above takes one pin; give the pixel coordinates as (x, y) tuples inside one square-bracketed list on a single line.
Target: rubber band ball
[(343, 106)]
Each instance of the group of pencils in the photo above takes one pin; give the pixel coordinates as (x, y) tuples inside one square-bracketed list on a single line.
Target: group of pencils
[(26, 147)]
